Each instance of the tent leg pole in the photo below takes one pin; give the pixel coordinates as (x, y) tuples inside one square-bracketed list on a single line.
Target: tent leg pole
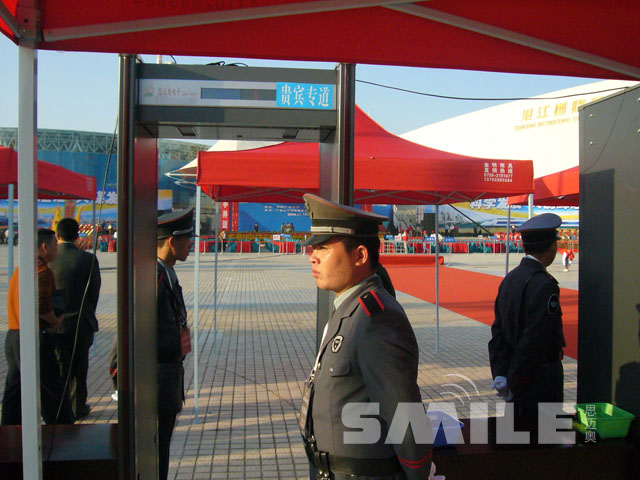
[(196, 305), (508, 242), (437, 281), (531, 205), (215, 277), (27, 214), (95, 227), (11, 233)]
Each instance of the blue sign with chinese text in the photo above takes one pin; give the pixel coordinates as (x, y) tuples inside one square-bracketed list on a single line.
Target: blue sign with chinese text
[(306, 95)]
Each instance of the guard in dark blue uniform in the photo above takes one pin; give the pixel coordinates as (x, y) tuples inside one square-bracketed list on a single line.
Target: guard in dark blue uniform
[(175, 231), (368, 355), (525, 350)]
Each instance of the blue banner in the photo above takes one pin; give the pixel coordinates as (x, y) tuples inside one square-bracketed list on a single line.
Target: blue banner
[(305, 95)]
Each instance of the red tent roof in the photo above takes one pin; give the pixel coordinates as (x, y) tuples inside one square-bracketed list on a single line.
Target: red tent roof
[(54, 181), (388, 169), (591, 38), (557, 189)]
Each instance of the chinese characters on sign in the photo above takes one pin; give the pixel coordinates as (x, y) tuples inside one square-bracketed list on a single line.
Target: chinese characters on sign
[(305, 95), (551, 114), (498, 172), (289, 210), (590, 434), (490, 203), (224, 223), (109, 198)]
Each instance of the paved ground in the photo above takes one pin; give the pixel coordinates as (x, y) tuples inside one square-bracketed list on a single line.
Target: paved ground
[(250, 383)]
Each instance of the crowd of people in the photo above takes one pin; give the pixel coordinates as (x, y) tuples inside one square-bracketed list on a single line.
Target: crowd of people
[(68, 292), (368, 354)]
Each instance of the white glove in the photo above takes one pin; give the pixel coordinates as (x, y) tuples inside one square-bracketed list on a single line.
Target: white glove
[(500, 385), (432, 474)]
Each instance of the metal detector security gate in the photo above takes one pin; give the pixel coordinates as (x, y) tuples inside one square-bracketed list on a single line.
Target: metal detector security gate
[(203, 102), (231, 103)]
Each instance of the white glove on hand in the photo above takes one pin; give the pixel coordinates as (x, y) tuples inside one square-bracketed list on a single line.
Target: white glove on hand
[(432, 474), (500, 385)]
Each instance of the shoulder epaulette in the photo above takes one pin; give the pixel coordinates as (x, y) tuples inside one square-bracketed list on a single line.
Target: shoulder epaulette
[(371, 303)]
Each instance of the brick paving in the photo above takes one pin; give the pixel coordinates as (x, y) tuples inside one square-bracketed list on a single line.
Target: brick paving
[(251, 372)]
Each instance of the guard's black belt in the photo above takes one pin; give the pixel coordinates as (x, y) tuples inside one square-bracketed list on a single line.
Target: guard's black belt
[(369, 467)]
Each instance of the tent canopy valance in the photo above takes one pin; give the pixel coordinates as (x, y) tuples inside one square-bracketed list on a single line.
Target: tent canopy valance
[(387, 169), (54, 181), (490, 35), (560, 189)]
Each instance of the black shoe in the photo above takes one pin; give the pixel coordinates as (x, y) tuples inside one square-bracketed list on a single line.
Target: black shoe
[(84, 412)]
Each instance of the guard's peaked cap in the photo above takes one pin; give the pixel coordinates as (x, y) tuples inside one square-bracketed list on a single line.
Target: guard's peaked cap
[(329, 219), (540, 229), (175, 223)]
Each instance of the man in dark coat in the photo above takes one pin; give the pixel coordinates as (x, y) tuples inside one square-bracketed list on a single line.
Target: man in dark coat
[(174, 242), (54, 401), (368, 356), (77, 274), (525, 350)]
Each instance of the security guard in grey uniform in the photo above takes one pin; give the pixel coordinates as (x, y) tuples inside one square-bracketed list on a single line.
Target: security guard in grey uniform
[(525, 350), (368, 354)]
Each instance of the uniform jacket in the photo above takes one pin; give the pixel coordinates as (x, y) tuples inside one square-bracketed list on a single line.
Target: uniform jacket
[(368, 358), (171, 312), (527, 338), (72, 269)]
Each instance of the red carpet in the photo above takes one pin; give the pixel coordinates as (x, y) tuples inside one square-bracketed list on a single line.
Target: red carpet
[(409, 259), (473, 294)]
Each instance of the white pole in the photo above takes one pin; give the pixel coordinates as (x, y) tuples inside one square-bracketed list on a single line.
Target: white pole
[(531, 205), (11, 232), (29, 335), (196, 305), (508, 243), (437, 282), (93, 220), (215, 277)]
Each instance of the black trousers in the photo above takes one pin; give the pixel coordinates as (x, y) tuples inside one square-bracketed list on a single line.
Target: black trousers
[(79, 369), (165, 430), (51, 385)]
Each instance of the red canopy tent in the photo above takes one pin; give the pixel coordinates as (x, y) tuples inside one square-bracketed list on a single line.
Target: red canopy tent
[(491, 35), (388, 169), (54, 181), (560, 189)]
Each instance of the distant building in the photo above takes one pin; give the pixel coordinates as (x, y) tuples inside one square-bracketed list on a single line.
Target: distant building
[(88, 153)]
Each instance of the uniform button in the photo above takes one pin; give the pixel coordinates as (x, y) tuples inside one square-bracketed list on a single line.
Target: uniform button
[(331, 369)]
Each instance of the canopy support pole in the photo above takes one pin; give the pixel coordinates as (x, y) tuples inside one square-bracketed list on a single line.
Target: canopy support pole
[(437, 280), (530, 203), (27, 214), (93, 220), (216, 218), (508, 238), (196, 306), (11, 232)]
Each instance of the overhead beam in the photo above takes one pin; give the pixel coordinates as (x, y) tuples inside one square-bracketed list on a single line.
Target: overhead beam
[(11, 21), (209, 18), (516, 38)]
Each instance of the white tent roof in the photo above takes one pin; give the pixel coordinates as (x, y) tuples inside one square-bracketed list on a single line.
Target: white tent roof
[(190, 169), (543, 130)]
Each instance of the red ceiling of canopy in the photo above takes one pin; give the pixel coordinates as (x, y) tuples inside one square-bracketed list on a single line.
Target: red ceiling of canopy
[(387, 169), (481, 35), (54, 181), (557, 189)]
